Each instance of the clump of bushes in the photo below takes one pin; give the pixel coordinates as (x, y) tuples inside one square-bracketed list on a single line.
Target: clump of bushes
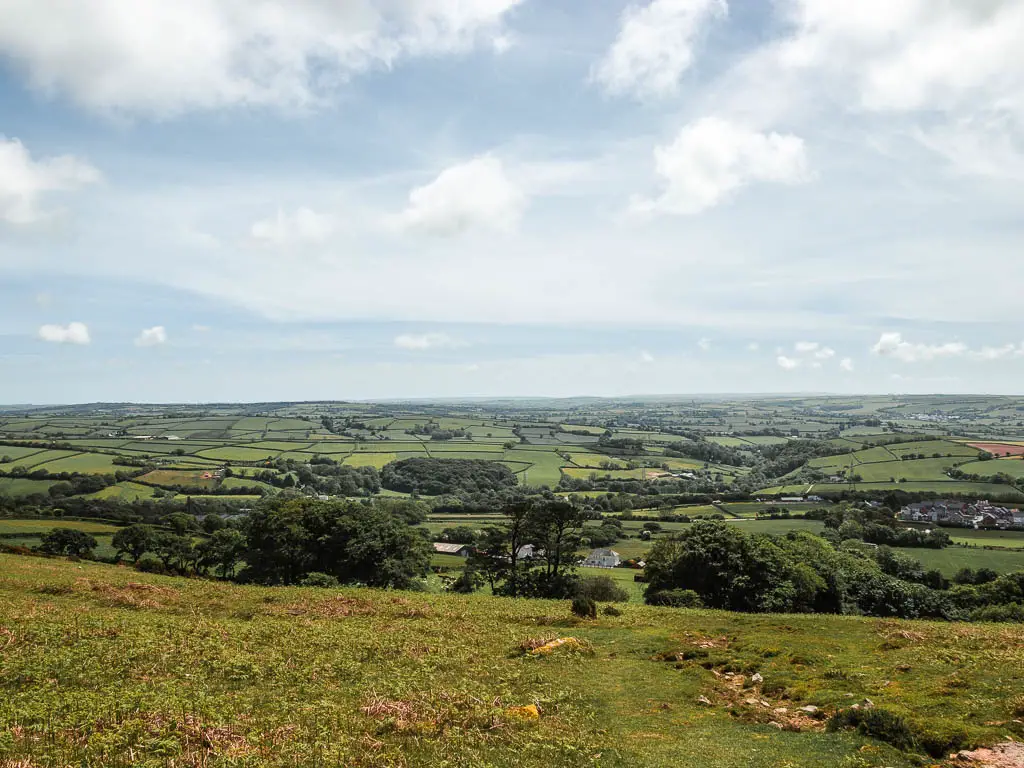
[(1009, 612), (675, 598), (894, 729), (317, 579), (602, 589), (584, 607)]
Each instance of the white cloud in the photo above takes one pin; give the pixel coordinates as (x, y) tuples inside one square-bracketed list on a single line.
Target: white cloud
[(825, 353), (892, 345), (152, 337), (162, 58), (704, 344), (476, 193), (998, 353), (646, 357), (24, 181), (787, 363), (846, 364), (804, 347), (713, 158), (956, 68), (419, 342), (72, 333), (753, 346), (303, 227), (200, 328), (655, 46)]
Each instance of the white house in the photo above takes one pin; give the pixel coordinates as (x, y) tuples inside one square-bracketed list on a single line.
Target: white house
[(602, 558)]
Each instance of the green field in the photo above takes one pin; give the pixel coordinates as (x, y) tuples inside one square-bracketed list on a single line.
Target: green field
[(235, 453), (952, 559), (377, 460), (22, 487), (17, 453), (186, 477), (83, 463), (115, 667), (126, 491), (28, 527)]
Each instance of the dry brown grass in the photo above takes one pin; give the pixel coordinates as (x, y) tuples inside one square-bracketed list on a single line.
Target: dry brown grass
[(331, 608)]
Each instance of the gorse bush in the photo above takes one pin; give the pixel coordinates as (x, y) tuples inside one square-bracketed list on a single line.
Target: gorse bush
[(602, 589), (584, 607)]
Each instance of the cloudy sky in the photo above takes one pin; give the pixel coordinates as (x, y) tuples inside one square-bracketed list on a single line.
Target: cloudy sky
[(299, 199)]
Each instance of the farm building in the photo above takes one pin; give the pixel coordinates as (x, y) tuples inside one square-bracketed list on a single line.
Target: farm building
[(459, 550), (526, 551), (602, 558)]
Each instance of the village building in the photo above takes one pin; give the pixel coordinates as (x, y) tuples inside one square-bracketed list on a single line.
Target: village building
[(459, 550), (979, 514), (602, 558)]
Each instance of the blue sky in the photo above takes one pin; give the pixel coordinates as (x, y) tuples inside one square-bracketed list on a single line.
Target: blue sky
[(214, 200)]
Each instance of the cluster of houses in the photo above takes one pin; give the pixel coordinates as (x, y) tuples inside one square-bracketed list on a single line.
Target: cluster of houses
[(598, 558), (978, 514)]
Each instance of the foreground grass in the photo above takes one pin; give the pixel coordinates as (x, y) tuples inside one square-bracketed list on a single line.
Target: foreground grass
[(103, 666)]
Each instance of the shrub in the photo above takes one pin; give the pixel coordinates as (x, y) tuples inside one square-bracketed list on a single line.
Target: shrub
[(317, 579), (584, 607), (150, 565), (877, 723), (674, 598), (611, 610), (602, 589), (1009, 612), (938, 740)]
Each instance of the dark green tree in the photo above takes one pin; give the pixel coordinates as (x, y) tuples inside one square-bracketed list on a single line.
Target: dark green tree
[(135, 540), (221, 552), (67, 541), (354, 542)]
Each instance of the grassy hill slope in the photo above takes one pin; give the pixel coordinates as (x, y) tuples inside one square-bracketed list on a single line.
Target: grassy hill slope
[(106, 666)]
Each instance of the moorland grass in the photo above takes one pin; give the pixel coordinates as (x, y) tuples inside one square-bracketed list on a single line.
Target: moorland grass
[(102, 665)]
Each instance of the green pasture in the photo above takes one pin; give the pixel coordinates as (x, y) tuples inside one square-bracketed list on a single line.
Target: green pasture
[(17, 453), (1012, 467), (280, 445), (19, 486), (952, 559), (179, 477), (594, 460), (237, 453), (35, 526), (442, 448), (36, 460), (377, 460), (590, 430), (913, 469), (83, 463), (125, 491), (930, 447)]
